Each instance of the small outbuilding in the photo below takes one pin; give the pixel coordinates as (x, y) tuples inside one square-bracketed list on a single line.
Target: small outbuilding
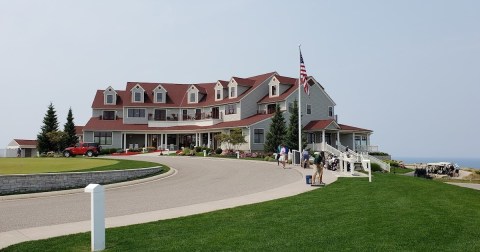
[(26, 148)]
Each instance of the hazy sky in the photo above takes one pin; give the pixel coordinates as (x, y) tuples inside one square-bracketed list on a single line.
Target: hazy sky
[(408, 70)]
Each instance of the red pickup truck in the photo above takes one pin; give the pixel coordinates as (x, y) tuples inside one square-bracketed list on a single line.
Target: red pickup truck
[(88, 149)]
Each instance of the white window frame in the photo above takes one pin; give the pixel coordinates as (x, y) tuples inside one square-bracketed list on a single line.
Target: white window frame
[(218, 94), (234, 90), (194, 93), (106, 99), (308, 109), (162, 96), (135, 96)]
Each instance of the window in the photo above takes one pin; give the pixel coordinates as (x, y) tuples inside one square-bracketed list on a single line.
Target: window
[(258, 136), (230, 109), (330, 111), (274, 90), (136, 112), (309, 109), (232, 92), (219, 94), (192, 97), (104, 138), (108, 115), (159, 97), (160, 115), (109, 99), (137, 96)]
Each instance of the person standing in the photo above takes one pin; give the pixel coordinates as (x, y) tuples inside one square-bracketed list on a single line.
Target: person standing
[(306, 157), (319, 162), (279, 148), (283, 155), (19, 152)]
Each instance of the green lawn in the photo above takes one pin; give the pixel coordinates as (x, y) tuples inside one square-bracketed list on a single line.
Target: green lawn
[(43, 165), (393, 213)]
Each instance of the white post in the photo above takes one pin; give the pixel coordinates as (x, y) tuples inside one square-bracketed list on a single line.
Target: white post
[(323, 140), (238, 154), (97, 216), (146, 141), (369, 165)]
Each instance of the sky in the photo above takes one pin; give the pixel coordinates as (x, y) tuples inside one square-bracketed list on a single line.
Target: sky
[(408, 70)]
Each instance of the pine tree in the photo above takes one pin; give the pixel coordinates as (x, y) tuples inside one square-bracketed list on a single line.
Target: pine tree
[(291, 140), (50, 124), (69, 129), (276, 134)]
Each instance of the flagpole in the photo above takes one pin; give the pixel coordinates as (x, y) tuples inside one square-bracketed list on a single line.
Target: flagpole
[(299, 106)]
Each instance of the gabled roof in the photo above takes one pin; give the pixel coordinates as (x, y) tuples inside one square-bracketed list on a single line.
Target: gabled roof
[(223, 83), (318, 125), (321, 125), (284, 80), (23, 142)]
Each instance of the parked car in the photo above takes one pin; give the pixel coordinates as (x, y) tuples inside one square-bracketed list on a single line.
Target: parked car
[(84, 148)]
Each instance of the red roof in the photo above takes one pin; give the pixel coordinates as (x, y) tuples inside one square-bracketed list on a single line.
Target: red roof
[(79, 130), (176, 94), (96, 124), (26, 142), (344, 127), (323, 124), (318, 124)]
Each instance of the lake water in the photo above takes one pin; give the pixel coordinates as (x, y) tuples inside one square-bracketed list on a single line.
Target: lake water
[(462, 162)]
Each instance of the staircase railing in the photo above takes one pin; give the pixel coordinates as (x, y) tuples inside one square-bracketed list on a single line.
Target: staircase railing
[(380, 162)]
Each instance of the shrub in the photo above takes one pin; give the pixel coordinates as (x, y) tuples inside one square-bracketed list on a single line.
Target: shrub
[(186, 151), (198, 149), (376, 167), (377, 153), (393, 163), (218, 151), (108, 151), (208, 150)]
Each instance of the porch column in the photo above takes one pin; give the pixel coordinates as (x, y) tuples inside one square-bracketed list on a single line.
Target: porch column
[(166, 141), (161, 141), (124, 141), (368, 143), (353, 141), (209, 140), (338, 139), (323, 140), (146, 140)]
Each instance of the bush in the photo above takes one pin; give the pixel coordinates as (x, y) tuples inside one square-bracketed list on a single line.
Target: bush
[(376, 167), (207, 149), (218, 151), (198, 149), (377, 153), (108, 151), (421, 172), (393, 163)]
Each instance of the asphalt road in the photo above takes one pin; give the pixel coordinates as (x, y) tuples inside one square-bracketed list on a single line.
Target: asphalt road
[(199, 180)]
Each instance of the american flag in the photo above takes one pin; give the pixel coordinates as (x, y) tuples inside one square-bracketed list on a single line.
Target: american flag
[(303, 76)]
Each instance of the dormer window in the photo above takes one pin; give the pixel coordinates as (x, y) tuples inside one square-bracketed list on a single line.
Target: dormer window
[(137, 96), (109, 96), (219, 94), (159, 97), (109, 99), (160, 94), (233, 93), (274, 90), (192, 95)]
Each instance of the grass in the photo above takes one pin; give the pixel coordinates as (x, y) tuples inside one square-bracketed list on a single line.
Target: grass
[(393, 213), (44, 165)]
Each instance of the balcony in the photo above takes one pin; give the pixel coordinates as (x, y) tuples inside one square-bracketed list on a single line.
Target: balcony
[(197, 119)]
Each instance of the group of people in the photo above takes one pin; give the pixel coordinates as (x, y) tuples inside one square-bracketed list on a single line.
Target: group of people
[(282, 155), (319, 162)]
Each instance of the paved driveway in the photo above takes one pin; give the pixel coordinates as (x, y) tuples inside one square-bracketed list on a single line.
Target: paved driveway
[(197, 181)]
